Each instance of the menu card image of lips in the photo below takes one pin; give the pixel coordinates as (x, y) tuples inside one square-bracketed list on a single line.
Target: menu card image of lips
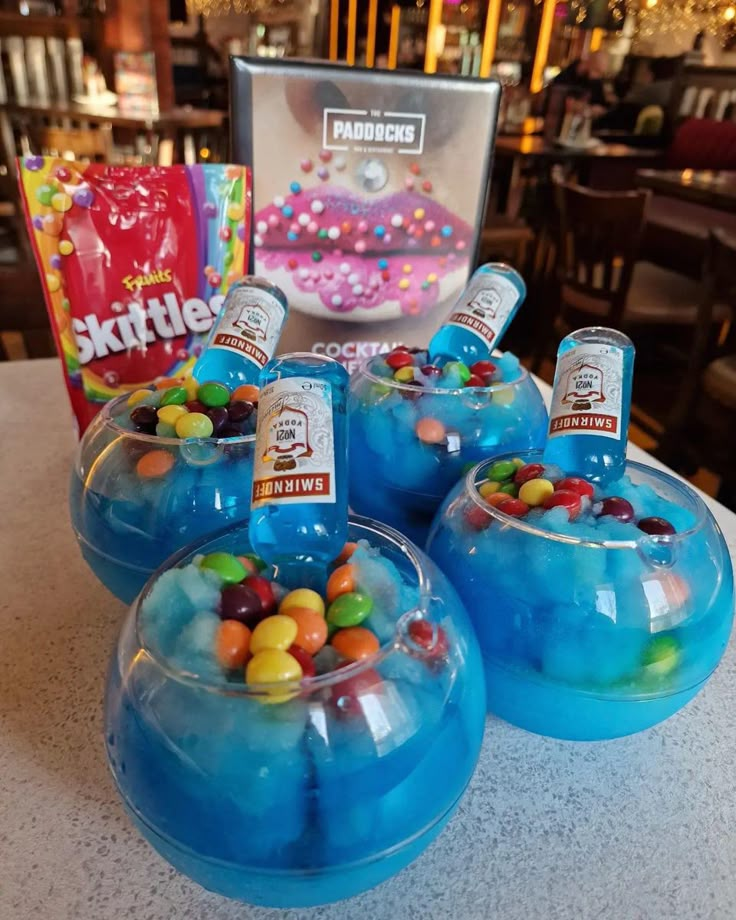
[(369, 190)]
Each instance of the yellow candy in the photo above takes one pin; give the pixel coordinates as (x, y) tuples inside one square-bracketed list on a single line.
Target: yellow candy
[(191, 386), (136, 396), (171, 414), (404, 374), (489, 488), (431, 277), (272, 666), (536, 491), (303, 597), (274, 632), (53, 283), (194, 425), (518, 462), (404, 284), (419, 214), (61, 202), (66, 248), (235, 211), (406, 269), (504, 396)]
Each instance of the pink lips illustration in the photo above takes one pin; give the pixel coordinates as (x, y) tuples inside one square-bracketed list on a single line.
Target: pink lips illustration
[(385, 255)]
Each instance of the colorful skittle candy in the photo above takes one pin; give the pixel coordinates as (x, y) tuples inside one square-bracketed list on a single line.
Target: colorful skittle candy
[(245, 334), (481, 315), (589, 416)]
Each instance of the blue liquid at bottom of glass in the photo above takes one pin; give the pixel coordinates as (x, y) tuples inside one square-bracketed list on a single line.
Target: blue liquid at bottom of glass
[(304, 825)]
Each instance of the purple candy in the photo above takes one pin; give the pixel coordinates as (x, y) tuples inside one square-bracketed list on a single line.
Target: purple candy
[(33, 163), (209, 209), (617, 508), (55, 261), (241, 603), (241, 232), (84, 198), (219, 418), (656, 526), (38, 223), (323, 173)]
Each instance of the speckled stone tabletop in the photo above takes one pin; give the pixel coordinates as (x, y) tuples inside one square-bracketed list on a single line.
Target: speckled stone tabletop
[(627, 830)]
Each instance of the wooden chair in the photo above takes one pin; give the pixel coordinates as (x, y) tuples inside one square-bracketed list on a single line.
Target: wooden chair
[(599, 280), (705, 407), (25, 331)]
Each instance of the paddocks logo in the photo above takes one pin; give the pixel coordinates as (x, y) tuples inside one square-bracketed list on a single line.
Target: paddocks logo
[(373, 131)]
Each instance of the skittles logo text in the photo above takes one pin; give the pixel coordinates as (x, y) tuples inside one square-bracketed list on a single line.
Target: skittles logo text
[(136, 282), (143, 324)]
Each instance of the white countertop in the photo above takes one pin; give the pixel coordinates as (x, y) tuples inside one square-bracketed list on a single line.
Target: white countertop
[(631, 829)]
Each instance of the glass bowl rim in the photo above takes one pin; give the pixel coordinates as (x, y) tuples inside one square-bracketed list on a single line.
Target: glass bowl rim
[(307, 685), (363, 370), (110, 423), (700, 510)]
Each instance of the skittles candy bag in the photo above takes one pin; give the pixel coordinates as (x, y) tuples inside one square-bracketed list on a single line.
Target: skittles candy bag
[(135, 262)]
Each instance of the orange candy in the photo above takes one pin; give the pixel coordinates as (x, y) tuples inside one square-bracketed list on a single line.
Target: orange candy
[(165, 382), (311, 628), (346, 552), (248, 565), (232, 643), (430, 430), (496, 498), (154, 464), (342, 581), (355, 642), (248, 392)]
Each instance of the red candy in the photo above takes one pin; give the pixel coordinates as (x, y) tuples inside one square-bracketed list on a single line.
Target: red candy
[(398, 359), (262, 587), (527, 472), (429, 637), (575, 484), (305, 660), (431, 370), (477, 518), (482, 368), (564, 498), (475, 381), (514, 507)]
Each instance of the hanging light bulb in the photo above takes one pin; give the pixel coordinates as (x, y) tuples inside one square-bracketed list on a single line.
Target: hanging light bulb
[(729, 14)]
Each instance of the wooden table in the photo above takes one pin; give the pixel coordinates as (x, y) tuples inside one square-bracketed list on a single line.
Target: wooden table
[(635, 829), (685, 206), (518, 149), (712, 189)]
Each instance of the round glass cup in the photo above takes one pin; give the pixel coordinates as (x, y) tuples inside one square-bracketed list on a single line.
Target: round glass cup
[(398, 478), (127, 526), (589, 638), (311, 800)]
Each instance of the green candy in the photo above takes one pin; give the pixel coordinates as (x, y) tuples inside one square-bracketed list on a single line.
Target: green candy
[(662, 655), (349, 609), (322, 234), (500, 470), (510, 488), (462, 369), (44, 194), (175, 396), (230, 569), (213, 395), (165, 431)]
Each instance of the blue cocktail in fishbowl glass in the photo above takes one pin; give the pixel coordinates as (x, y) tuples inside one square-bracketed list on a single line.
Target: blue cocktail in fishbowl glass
[(600, 610), (304, 791), (412, 439), (137, 497)]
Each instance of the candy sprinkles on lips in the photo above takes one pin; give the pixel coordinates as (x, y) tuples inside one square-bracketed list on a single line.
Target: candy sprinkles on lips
[(241, 624), (356, 253)]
